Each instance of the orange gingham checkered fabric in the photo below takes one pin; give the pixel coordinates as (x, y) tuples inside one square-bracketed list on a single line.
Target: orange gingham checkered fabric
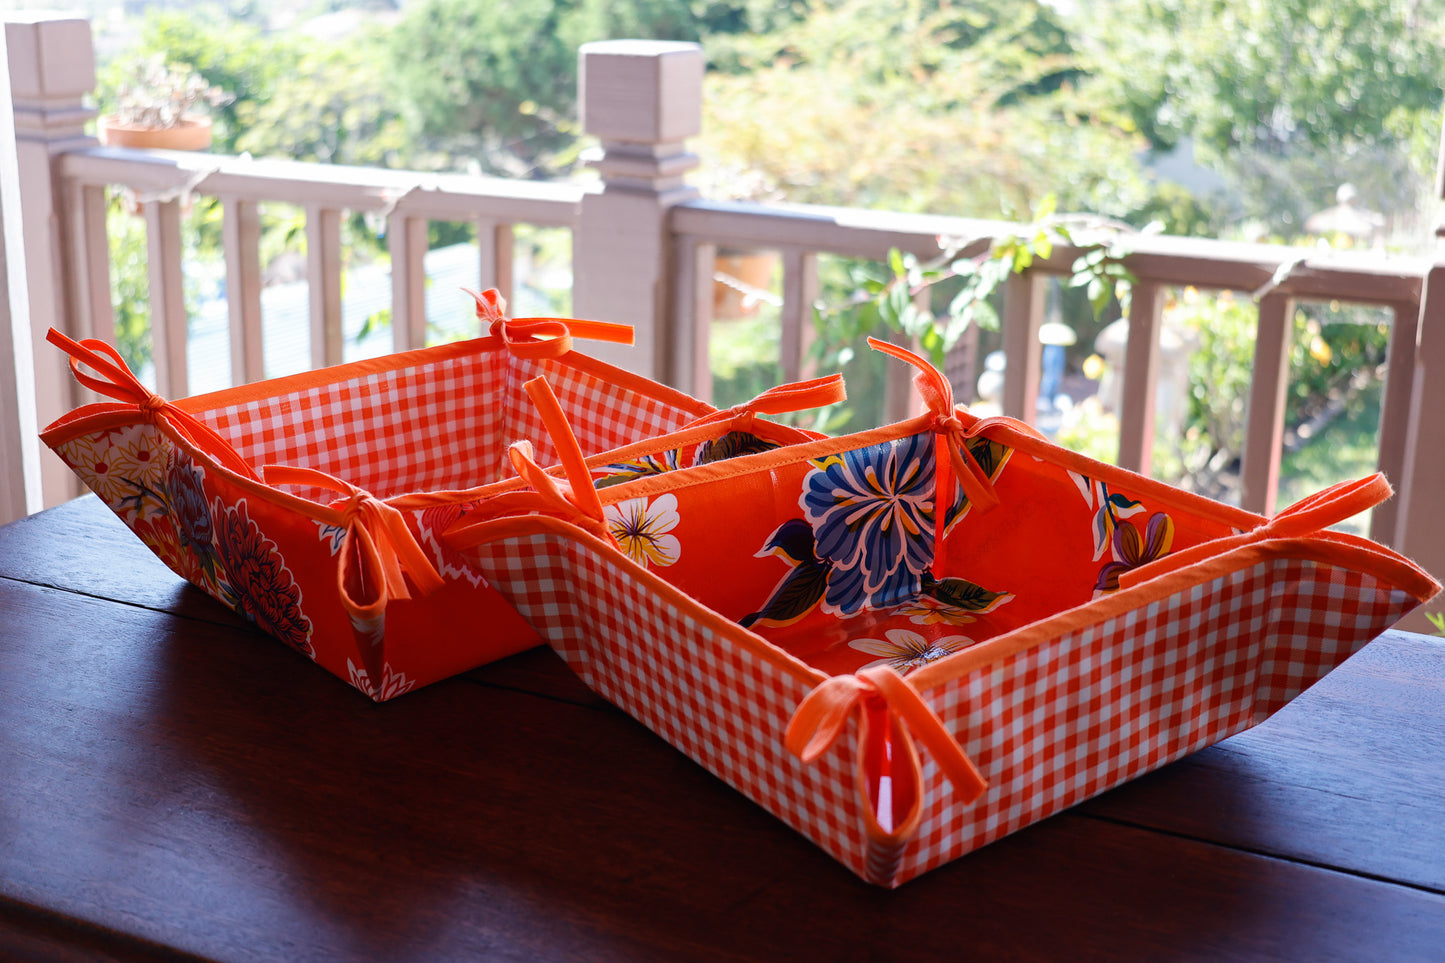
[(1068, 719), (430, 426), (1048, 727), (721, 704), (437, 426)]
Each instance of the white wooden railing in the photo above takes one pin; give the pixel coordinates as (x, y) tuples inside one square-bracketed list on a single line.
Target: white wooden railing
[(802, 233), (409, 201), (644, 245)]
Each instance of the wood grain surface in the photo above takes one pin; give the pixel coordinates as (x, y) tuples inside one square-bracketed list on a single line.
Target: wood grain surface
[(175, 785)]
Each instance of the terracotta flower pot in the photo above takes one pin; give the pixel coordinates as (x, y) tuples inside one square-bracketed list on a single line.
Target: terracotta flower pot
[(746, 272), (192, 133)]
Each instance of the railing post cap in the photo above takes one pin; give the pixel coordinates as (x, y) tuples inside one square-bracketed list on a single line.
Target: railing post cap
[(641, 91), (640, 48), (50, 55)]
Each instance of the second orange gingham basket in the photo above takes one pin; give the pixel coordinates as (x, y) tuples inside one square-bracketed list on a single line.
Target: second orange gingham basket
[(313, 504), (904, 676)]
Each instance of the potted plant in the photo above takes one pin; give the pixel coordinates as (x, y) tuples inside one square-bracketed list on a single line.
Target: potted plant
[(156, 107)]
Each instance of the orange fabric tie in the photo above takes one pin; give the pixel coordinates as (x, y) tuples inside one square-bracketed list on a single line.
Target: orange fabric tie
[(376, 535), (118, 382), (797, 396), (950, 436), (1309, 515), (574, 500), (821, 717), (549, 496), (538, 338)]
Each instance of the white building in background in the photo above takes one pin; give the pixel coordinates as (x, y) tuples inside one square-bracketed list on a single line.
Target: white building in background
[(366, 293)]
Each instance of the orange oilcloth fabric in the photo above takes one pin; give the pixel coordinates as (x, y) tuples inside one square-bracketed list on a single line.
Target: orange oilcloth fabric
[(906, 661), (880, 691), (115, 380), (362, 584), (905, 642), (379, 554)]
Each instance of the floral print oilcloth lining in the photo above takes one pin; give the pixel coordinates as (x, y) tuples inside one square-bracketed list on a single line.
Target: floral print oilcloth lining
[(841, 570), (730, 444), (208, 532), (642, 529), (864, 547), (156, 488)]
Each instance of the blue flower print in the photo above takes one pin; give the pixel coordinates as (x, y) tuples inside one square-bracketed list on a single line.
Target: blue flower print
[(187, 500), (872, 515)]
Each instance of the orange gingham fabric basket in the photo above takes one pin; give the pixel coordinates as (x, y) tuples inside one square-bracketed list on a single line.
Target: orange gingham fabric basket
[(312, 504), (1066, 625)]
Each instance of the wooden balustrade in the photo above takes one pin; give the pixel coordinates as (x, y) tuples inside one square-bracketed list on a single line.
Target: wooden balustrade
[(644, 245), (1280, 276), (408, 201)]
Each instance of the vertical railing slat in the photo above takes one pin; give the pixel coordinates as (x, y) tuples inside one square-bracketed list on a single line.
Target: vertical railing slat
[(1141, 378), (900, 396), (1395, 412), (495, 252), (241, 242), (960, 365), (1023, 315), (800, 291), (406, 240), (689, 335), (323, 272), (1264, 427), (167, 296), (91, 246)]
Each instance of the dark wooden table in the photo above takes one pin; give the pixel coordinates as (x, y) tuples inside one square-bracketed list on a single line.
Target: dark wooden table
[(173, 785)]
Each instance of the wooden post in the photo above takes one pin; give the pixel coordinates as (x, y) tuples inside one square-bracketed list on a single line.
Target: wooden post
[(51, 66), (1269, 380), (19, 446), (241, 228), (642, 99), (1395, 413), (1420, 524), (1023, 315), (1141, 378)]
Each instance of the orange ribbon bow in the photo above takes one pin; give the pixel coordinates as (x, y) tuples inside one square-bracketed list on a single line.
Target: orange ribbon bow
[(951, 436), (574, 500), (385, 551), (890, 778), (797, 396), (1309, 515), (117, 381), (538, 338)]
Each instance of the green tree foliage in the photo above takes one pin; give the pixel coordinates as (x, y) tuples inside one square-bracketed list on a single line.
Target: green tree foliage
[(1334, 353), (495, 81), (963, 108), (332, 106), (294, 96), (474, 76), (1288, 98)]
